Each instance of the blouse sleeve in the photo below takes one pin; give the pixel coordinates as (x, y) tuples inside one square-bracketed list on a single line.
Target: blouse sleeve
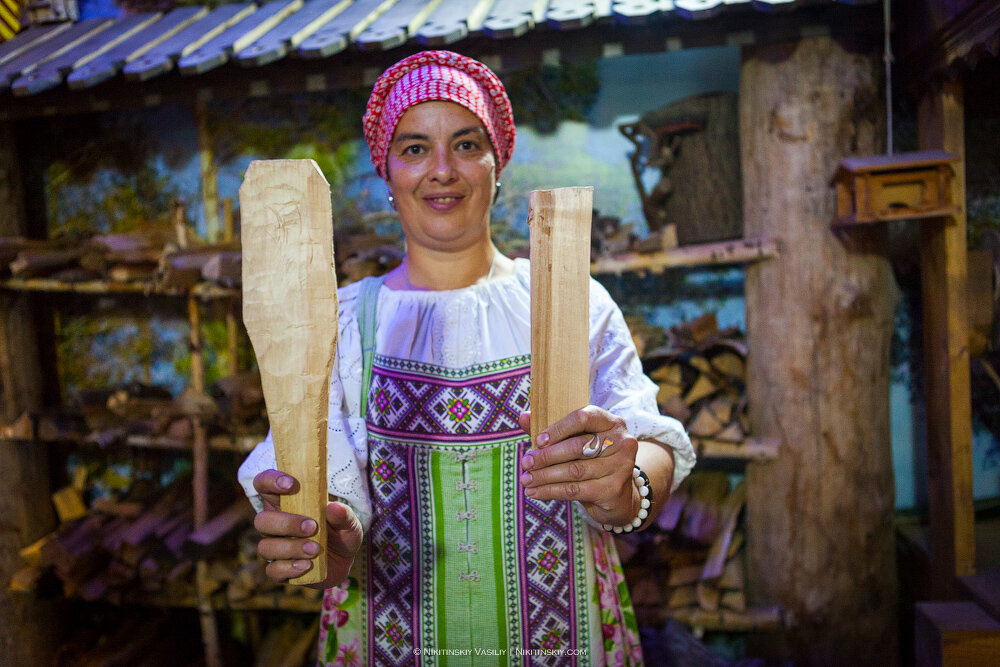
[(347, 435), (618, 384)]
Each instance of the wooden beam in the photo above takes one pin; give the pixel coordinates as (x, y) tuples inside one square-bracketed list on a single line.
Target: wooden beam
[(943, 267), (290, 313), (29, 626), (559, 222)]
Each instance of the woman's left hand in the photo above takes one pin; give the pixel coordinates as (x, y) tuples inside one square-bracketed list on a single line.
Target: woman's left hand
[(568, 463)]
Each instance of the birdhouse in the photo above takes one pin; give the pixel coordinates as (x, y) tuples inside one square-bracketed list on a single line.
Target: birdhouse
[(894, 187)]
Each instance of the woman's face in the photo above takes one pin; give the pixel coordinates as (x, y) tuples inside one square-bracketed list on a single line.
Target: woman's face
[(442, 173)]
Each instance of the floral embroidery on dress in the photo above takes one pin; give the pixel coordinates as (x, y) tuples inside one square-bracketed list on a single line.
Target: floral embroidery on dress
[(622, 647)]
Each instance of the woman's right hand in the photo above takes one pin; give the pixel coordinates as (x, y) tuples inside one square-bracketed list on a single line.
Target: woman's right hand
[(285, 544)]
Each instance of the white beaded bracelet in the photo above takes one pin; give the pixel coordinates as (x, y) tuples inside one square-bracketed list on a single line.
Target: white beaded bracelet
[(646, 493)]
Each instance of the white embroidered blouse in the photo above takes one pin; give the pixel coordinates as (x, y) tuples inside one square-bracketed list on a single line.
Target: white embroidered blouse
[(456, 329)]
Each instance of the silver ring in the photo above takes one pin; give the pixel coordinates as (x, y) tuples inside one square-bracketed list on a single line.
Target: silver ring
[(592, 448)]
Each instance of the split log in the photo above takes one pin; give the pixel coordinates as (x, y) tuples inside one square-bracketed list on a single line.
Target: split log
[(68, 502), (40, 263), (202, 543), (224, 268), (730, 515)]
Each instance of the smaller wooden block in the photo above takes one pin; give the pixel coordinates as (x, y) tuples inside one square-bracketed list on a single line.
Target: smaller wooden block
[(955, 634), (69, 504), (702, 387)]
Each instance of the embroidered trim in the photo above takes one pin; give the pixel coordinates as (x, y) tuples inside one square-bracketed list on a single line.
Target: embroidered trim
[(470, 515), (472, 547), (465, 486), (469, 576)]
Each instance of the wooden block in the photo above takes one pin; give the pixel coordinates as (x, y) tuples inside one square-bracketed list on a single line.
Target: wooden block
[(730, 516), (955, 634), (729, 364), (289, 301), (69, 504), (735, 600), (559, 222), (683, 576), (683, 596), (732, 433), (708, 595), (732, 575), (705, 424), (702, 387), (667, 391), (675, 407), (669, 374), (722, 407)]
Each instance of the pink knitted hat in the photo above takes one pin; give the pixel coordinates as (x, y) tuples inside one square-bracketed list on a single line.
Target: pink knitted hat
[(438, 75)]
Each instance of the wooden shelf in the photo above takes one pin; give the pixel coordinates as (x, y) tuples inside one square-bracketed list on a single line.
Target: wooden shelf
[(201, 291), (760, 618), (232, 443), (751, 449), (704, 254), (261, 602)]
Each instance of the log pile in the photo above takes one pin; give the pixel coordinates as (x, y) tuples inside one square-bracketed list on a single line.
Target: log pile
[(701, 375), (126, 550), (171, 266), (109, 416), (692, 560)]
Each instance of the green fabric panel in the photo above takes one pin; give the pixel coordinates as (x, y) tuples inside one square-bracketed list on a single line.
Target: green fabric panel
[(440, 597), (497, 552)]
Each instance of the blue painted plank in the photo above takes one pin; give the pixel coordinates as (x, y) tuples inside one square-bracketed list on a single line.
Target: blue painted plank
[(32, 57), (454, 20), (639, 12), (50, 73), (276, 43), (336, 35), (704, 9), (29, 38), (162, 57), (218, 50), (111, 63), (570, 14), (513, 18), (393, 28)]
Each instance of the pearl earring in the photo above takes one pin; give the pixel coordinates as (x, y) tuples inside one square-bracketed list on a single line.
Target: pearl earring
[(392, 200)]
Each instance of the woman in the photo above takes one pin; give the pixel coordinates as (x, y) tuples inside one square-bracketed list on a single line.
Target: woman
[(450, 534)]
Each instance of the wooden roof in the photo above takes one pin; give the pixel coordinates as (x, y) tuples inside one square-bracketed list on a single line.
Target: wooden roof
[(193, 41)]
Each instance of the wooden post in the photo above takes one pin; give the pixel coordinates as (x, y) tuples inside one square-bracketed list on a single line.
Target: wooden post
[(819, 321), (232, 323), (943, 271), (559, 222), (209, 173), (30, 628), (199, 454), (290, 313)]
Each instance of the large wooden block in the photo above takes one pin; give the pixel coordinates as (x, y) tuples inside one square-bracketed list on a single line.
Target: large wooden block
[(955, 634)]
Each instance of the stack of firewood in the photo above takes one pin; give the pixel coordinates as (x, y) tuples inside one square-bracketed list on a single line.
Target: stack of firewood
[(121, 549), (692, 561), (170, 265), (103, 417), (609, 236), (701, 377)]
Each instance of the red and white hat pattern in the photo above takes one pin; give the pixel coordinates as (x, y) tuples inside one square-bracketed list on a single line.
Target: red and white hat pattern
[(438, 75)]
